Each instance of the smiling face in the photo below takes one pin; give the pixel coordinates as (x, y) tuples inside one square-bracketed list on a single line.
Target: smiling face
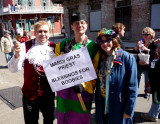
[(146, 36), (42, 34), (107, 46), (79, 27)]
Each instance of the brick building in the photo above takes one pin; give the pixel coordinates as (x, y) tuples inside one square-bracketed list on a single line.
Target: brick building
[(135, 14), (25, 13)]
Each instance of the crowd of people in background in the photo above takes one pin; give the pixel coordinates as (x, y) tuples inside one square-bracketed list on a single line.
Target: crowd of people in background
[(118, 74), (9, 38)]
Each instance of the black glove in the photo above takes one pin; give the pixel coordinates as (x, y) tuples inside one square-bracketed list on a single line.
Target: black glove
[(78, 88)]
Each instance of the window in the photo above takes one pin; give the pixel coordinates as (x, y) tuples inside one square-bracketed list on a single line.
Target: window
[(29, 3), (123, 15), (19, 2), (95, 17), (22, 23), (155, 1), (95, 21), (43, 19), (155, 18), (122, 3), (32, 22)]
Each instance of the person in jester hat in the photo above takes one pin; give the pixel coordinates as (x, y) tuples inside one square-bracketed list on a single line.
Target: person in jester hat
[(69, 109), (116, 85)]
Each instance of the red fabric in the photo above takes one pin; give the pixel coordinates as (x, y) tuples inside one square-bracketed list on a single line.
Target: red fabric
[(34, 84), (24, 39)]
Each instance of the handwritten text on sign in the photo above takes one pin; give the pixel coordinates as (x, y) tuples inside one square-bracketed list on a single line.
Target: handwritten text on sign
[(69, 69)]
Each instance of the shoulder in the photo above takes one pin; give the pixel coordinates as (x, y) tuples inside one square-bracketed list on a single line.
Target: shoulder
[(28, 43), (91, 44), (51, 44), (124, 55), (3, 38), (92, 48), (67, 40), (61, 44)]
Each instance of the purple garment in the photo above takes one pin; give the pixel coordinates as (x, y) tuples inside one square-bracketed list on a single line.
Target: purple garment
[(71, 117)]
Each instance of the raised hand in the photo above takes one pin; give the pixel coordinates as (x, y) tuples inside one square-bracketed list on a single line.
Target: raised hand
[(17, 49), (157, 41)]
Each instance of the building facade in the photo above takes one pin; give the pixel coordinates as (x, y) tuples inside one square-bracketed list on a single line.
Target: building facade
[(134, 14), (25, 13)]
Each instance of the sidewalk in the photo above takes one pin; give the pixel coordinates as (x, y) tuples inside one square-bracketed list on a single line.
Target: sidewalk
[(9, 116)]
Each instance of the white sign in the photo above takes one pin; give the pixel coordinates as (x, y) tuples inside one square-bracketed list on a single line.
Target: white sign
[(69, 69)]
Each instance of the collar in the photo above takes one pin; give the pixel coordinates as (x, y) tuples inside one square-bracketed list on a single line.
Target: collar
[(36, 43)]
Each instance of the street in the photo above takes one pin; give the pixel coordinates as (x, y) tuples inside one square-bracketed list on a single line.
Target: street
[(9, 116)]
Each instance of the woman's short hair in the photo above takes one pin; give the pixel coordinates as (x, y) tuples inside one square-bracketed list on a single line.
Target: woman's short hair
[(40, 23), (117, 27), (148, 30)]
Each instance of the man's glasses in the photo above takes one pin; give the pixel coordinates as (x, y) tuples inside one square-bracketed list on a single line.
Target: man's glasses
[(100, 41), (145, 34)]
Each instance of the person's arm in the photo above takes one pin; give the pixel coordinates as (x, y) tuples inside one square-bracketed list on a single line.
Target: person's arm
[(16, 62), (57, 49), (2, 44), (136, 48), (131, 86), (94, 54), (157, 41), (90, 85)]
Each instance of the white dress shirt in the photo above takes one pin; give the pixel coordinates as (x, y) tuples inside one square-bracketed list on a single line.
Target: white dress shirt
[(35, 55)]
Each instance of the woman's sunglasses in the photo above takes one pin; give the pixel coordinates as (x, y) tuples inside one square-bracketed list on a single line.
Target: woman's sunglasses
[(145, 34), (100, 41)]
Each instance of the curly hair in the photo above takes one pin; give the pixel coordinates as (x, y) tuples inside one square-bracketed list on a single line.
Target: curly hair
[(148, 30), (117, 27)]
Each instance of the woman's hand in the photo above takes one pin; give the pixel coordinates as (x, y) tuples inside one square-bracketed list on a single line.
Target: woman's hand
[(136, 48), (126, 116), (142, 63), (157, 41), (143, 48)]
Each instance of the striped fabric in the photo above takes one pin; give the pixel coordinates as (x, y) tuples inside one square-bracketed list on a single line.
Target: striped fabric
[(69, 109)]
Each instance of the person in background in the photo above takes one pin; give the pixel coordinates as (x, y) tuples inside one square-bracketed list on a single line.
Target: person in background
[(119, 28), (25, 37), (12, 32), (116, 85), (7, 45), (69, 109), (154, 72), (37, 94), (145, 45)]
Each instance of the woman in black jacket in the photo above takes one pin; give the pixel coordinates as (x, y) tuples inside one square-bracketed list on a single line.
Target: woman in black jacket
[(154, 72)]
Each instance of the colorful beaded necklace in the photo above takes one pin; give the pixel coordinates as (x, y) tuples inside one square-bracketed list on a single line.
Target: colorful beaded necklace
[(84, 43), (105, 70)]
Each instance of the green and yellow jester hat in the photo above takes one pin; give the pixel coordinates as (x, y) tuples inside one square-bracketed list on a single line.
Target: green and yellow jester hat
[(105, 32)]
